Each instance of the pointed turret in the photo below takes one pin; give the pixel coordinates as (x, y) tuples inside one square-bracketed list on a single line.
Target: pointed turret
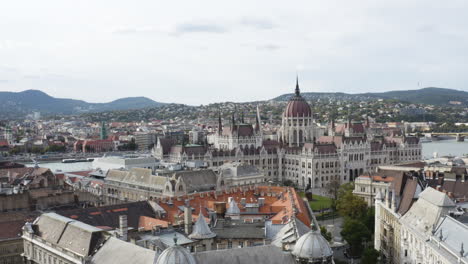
[(201, 230), (233, 211)]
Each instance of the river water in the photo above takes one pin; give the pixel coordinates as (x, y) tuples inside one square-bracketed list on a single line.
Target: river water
[(442, 147), (64, 167)]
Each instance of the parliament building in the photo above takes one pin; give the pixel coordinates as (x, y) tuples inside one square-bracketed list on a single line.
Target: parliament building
[(304, 153)]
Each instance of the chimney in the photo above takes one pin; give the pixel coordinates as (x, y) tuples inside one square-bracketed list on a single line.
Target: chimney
[(188, 220), (123, 227), (229, 199)]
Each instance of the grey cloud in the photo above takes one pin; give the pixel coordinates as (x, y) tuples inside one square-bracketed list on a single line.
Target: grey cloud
[(258, 23), (133, 30), (8, 69), (180, 29), (125, 31), (426, 28), (270, 47), (31, 77), (200, 28)]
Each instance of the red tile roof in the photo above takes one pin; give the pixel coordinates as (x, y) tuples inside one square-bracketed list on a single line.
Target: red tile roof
[(277, 209)]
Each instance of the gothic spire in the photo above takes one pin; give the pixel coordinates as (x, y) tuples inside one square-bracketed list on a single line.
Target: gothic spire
[(220, 123), (257, 120), (298, 91)]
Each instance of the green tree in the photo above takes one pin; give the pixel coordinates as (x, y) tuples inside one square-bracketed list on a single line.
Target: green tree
[(355, 233), (37, 150), (288, 183), (14, 151), (350, 205), (369, 218), (332, 188), (370, 256), (327, 235), (55, 148)]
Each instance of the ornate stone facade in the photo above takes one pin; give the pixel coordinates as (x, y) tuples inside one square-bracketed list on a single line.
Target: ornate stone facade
[(302, 154)]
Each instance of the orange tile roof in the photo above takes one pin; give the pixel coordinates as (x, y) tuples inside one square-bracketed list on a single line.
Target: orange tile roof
[(379, 178), (279, 210), (147, 223)]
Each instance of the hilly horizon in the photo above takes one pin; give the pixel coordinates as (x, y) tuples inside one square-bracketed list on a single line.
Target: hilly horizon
[(428, 95), (20, 104)]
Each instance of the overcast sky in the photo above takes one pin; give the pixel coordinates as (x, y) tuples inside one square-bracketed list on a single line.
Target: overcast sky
[(198, 52)]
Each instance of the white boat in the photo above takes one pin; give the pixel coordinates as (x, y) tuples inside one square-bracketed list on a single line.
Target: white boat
[(425, 140)]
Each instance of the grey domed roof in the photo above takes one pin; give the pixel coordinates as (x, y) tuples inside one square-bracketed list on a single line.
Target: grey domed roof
[(312, 246), (175, 255), (233, 208), (201, 230)]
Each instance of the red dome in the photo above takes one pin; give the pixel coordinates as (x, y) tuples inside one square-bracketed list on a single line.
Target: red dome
[(297, 107)]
